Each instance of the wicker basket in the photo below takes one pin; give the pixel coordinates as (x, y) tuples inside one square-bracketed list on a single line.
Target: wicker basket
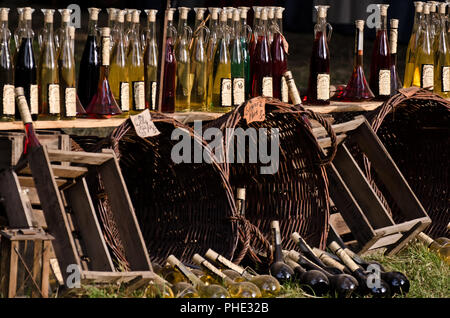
[(297, 195)]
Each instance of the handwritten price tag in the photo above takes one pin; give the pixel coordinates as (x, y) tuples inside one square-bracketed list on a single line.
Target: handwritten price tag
[(143, 125), (255, 110), (410, 91)]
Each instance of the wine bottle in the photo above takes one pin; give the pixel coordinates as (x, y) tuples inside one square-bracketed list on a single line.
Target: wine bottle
[(279, 269), (330, 261), (366, 286), (103, 104), (396, 83), (442, 57), (237, 62), (213, 40), (306, 249), (380, 67), (279, 58), (357, 88), (184, 290), (90, 62), (170, 67), (205, 291), (236, 289), (25, 73), (7, 103), (294, 95), (443, 251), (151, 61), (246, 33), (412, 45), (314, 280), (31, 140)]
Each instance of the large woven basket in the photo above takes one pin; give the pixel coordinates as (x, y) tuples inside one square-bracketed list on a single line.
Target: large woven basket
[(297, 195)]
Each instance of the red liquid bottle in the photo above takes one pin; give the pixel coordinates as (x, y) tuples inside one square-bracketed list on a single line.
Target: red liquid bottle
[(380, 68), (170, 68), (279, 58), (319, 67), (396, 83), (103, 104), (262, 83), (357, 88)]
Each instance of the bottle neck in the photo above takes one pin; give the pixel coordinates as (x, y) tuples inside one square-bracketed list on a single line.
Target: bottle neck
[(92, 27), (383, 23), (359, 47), (28, 29), (276, 243), (151, 30), (417, 19), (279, 23), (48, 28)]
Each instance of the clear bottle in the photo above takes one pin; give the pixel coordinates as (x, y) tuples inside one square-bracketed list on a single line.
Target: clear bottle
[(396, 83), (380, 67), (103, 104), (413, 44), (135, 64), (65, 22), (357, 88), (118, 72), (279, 57), (221, 82), (424, 62), (183, 13), (170, 67), (212, 43), (183, 84), (7, 102), (435, 22), (246, 34), (319, 66), (151, 61), (442, 57), (442, 250), (112, 18), (199, 64), (48, 76), (237, 62)]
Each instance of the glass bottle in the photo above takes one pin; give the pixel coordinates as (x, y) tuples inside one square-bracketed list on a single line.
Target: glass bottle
[(396, 83), (135, 64), (31, 140), (434, 20), (112, 18), (213, 39), (237, 62), (65, 22), (319, 66), (443, 251), (118, 72), (311, 280), (183, 85), (380, 67), (279, 269), (7, 102), (424, 62), (221, 83), (411, 51), (103, 104), (279, 57), (90, 61), (170, 67), (442, 57), (357, 88), (246, 33), (151, 61), (199, 64), (19, 30)]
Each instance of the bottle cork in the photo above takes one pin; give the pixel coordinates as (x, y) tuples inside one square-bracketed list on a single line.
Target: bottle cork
[(322, 11), (236, 15), (384, 9), (135, 17), (184, 12), (23, 105), (112, 14), (279, 12), (199, 13), (425, 238), (263, 14), (230, 11), (4, 14), (27, 11), (214, 13), (151, 15), (48, 15), (244, 11), (271, 13), (360, 25), (223, 16), (120, 16), (93, 13), (240, 193), (426, 8), (257, 12), (433, 6), (294, 255), (65, 15), (419, 6), (170, 14), (343, 256), (442, 7)]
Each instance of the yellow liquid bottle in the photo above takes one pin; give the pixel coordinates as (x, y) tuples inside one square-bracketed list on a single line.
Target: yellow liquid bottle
[(442, 57), (118, 72), (442, 250), (213, 28), (135, 63), (48, 77), (424, 61), (151, 61), (412, 45)]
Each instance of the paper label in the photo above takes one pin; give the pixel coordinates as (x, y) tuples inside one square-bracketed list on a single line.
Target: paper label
[(267, 87), (34, 97), (153, 95), (8, 99), (225, 92), (23, 109), (445, 77), (53, 99), (427, 76), (284, 91), (139, 95), (106, 46), (124, 96), (323, 86), (384, 82), (70, 101), (255, 110), (143, 124), (238, 91)]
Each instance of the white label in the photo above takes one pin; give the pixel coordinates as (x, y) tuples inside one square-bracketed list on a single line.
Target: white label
[(384, 82), (323, 86), (23, 110), (143, 124), (284, 91), (445, 75), (106, 46), (34, 96), (139, 95), (124, 96), (70, 99), (8, 100), (427, 76), (153, 95), (238, 91), (267, 88), (53, 99), (225, 92)]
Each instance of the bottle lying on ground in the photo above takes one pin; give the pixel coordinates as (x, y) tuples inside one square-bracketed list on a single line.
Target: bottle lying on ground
[(313, 280), (443, 251), (279, 269)]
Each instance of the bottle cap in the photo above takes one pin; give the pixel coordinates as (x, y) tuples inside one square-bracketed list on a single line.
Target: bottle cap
[(184, 12), (419, 6), (394, 23), (257, 11), (4, 14), (27, 11), (151, 15), (129, 14), (426, 8), (322, 11), (236, 15), (48, 15), (223, 16), (263, 14), (170, 14), (279, 12), (65, 14), (271, 12), (93, 13), (433, 6), (359, 25), (136, 14), (384, 9), (244, 11), (112, 14), (214, 12), (120, 16), (240, 193), (199, 13), (442, 7)]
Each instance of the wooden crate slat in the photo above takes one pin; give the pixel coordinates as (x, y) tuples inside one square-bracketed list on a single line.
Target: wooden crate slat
[(401, 227), (89, 158), (407, 236), (340, 128), (26, 181), (62, 171)]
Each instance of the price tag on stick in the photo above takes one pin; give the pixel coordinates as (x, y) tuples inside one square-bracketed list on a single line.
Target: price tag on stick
[(143, 124), (255, 110)]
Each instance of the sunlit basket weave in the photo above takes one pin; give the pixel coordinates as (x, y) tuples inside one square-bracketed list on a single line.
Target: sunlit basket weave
[(297, 195)]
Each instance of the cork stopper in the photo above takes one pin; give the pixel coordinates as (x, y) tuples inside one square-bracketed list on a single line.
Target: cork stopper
[(294, 255), (257, 12), (275, 225), (240, 193), (112, 14), (295, 237), (279, 12), (236, 15), (419, 6), (199, 13), (383, 9), (93, 13), (244, 11), (4, 14), (136, 14), (394, 23), (212, 255), (425, 238), (223, 16), (151, 15), (48, 15), (263, 14), (426, 8), (442, 7), (128, 14), (433, 6), (65, 15), (343, 256), (271, 13), (120, 16), (170, 14), (230, 11), (360, 25), (27, 11), (322, 11), (173, 261), (214, 13), (183, 12)]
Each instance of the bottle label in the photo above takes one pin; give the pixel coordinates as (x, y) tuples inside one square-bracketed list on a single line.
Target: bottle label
[(124, 96), (34, 97), (427, 76), (106, 46), (8, 99), (23, 109), (153, 87), (323, 86), (384, 82), (225, 92), (267, 88), (238, 91), (445, 76), (71, 101), (139, 95), (53, 99), (284, 91)]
